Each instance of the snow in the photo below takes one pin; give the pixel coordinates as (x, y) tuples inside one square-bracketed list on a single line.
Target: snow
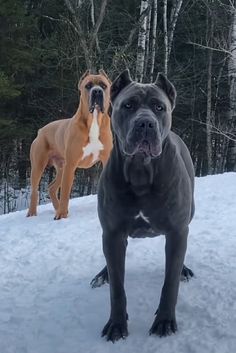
[(47, 305)]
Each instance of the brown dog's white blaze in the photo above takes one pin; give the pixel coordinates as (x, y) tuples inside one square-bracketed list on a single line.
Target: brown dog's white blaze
[(94, 145)]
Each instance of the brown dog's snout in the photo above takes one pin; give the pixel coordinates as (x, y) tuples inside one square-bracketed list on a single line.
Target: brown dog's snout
[(96, 98)]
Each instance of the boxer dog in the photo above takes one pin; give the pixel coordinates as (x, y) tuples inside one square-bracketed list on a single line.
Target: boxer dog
[(67, 144), (146, 189)]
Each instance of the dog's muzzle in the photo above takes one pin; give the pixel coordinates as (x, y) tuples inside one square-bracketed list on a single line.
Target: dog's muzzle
[(96, 99), (144, 138)]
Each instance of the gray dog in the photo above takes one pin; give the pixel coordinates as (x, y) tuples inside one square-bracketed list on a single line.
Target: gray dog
[(146, 189)]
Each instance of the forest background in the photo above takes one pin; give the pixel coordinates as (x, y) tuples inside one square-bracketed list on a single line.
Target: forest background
[(46, 46)]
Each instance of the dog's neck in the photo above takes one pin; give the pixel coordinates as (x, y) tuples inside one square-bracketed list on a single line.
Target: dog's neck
[(138, 174)]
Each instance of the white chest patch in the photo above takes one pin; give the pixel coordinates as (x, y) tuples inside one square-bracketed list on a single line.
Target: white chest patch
[(94, 146), (141, 215)]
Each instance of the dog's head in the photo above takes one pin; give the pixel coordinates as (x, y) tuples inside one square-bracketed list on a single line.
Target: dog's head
[(142, 114), (95, 91)]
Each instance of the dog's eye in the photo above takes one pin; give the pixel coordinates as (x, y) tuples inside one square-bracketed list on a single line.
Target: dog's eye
[(128, 105), (158, 107), (103, 85), (89, 85)]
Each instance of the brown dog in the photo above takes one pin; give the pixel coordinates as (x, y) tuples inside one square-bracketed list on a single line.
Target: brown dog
[(73, 143)]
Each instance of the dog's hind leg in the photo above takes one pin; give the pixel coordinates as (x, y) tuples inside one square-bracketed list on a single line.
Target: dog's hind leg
[(54, 187), (186, 274), (102, 277), (39, 160)]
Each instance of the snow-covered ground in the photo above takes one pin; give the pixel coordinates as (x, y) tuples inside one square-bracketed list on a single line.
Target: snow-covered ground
[(47, 305)]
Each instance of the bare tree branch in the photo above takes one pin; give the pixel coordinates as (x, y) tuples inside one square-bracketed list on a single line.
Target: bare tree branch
[(93, 23), (217, 130), (210, 48), (78, 29), (98, 23), (87, 45)]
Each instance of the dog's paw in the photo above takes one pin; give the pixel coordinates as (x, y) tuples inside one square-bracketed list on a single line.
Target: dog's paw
[(100, 279), (115, 331), (162, 327), (60, 214), (31, 213), (186, 274)]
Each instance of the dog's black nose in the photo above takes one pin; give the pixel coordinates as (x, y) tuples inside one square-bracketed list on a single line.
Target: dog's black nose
[(144, 124), (97, 92)]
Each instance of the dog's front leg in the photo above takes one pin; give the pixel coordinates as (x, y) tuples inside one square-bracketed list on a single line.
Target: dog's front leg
[(114, 247), (165, 321), (66, 185)]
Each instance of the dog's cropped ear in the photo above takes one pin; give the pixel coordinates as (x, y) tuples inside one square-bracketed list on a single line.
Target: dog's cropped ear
[(103, 73), (120, 83), (163, 82), (87, 72)]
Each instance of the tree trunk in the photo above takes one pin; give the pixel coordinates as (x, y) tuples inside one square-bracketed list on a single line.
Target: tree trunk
[(146, 61), (153, 39), (93, 23), (209, 121), (142, 37), (165, 32), (231, 155), (173, 20)]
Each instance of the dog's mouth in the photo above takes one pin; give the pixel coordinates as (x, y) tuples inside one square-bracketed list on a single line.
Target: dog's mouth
[(144, 147), (97, 107), (144, 150), (149, 149)]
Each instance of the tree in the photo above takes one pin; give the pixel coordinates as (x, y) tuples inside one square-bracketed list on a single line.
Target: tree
[(153, 40), (142, 43), (231, 156), (87, 38), (169, 29), (209, 115)]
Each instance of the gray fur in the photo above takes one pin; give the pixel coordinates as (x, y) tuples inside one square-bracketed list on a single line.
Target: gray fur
[(149, 172)]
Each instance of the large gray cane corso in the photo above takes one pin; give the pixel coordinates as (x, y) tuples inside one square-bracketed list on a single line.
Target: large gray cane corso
[(146, 189)]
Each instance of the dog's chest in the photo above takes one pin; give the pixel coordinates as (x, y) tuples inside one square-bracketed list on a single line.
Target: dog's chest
[(140, 215), (147, 218), (94, 145), (140, 226)]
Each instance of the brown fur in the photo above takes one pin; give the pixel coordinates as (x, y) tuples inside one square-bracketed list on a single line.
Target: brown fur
[(60, 144)]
